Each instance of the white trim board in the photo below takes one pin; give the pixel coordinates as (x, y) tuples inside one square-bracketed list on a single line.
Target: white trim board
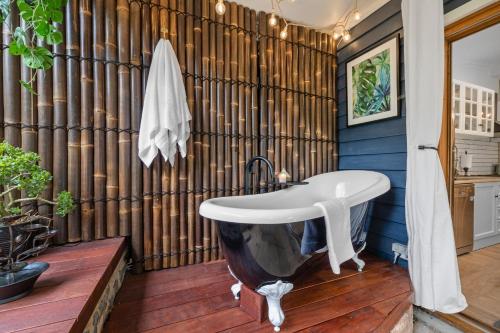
[(466, 9)]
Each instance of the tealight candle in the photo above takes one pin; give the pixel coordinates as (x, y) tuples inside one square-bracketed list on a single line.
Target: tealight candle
[(282, 176)]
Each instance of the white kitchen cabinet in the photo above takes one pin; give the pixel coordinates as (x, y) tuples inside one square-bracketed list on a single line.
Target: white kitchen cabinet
[(473, 108), (486, 215)]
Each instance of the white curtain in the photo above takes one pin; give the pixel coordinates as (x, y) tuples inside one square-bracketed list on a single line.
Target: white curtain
[(431, 247)]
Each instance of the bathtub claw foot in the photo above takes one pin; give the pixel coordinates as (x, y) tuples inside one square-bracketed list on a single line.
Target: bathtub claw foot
[(235, 289), (359, 262), (273, 293)]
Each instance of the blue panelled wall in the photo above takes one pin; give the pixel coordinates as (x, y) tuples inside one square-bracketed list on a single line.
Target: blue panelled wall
[(378, 146)]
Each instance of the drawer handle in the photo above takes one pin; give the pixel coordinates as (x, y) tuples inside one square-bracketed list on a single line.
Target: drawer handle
[(471, 198)]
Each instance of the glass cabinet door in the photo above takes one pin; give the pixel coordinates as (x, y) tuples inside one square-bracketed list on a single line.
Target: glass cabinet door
[(473, 109)]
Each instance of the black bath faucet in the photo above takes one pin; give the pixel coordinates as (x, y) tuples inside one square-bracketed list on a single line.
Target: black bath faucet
[(248, 170)]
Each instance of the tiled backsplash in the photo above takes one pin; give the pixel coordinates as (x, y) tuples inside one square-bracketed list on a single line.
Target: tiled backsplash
[(484, 151)]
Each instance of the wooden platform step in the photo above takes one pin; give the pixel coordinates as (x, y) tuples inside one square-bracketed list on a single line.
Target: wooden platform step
[(66, 296), (198, 299)]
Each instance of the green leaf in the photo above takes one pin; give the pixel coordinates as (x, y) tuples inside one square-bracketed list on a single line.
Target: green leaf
[(55, 38), (28, 87), (42, 29), (57, 16)]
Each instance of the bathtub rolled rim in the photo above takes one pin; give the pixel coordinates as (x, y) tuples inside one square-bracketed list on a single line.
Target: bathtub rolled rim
[(216, 210)]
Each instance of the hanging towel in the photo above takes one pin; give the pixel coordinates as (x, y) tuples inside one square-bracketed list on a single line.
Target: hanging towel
[(338, 231), (165, 114)]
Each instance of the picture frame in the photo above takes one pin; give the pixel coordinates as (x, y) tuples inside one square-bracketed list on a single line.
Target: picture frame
[(373, 84)]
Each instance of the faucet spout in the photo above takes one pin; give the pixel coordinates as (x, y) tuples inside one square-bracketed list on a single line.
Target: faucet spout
[(249, 167)]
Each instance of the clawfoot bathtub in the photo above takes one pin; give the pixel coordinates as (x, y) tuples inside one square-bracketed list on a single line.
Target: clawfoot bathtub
[(267, 242)]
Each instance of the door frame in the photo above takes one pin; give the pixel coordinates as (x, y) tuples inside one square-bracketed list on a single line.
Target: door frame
[(477, 21)]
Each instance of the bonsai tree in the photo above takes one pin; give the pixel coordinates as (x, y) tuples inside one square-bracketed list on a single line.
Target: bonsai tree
[(22, 183), (19, 171)]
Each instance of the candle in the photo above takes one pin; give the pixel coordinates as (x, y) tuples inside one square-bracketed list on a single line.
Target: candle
[(282, 176)]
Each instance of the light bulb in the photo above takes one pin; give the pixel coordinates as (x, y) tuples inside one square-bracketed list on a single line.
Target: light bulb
[(357, 15), (220, 8), (336, 35), (284, 33), (273, 20), (346, 36)]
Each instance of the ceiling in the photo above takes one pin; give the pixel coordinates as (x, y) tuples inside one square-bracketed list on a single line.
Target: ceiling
[(480, 49), (319, 14)]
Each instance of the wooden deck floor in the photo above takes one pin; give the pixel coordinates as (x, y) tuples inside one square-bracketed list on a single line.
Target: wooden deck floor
[(65, 295), (480, 275), (197, 299)]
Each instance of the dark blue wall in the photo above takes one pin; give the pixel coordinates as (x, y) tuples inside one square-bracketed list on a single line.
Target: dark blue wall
[(378, 146)]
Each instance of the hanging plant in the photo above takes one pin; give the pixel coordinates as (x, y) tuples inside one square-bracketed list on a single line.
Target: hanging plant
[(39, 18)]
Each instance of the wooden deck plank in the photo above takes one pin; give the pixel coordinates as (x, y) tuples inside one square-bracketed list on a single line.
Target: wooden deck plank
[(65, 295), (137, 307), (215, 322), (480, 276), (161, 317), (144, 288), (314, 313), (195, 299)]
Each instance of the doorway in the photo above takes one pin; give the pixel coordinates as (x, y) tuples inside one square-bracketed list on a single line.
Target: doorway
[(470, 154)]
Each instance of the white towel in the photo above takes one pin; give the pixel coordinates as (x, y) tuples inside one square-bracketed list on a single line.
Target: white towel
[(165, 114), (338, 231)]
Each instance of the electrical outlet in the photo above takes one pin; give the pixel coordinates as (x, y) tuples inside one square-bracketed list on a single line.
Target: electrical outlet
[(400, 251)]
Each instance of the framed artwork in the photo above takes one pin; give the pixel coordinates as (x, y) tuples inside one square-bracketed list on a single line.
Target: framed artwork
[(372, 84)]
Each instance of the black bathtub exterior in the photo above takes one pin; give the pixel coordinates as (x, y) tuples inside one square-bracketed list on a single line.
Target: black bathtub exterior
[(259, 254)]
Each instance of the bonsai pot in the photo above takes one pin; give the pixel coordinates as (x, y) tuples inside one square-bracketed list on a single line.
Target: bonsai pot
[(17, 284)]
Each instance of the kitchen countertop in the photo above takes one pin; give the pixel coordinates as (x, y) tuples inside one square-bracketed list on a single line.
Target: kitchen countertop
[(476, 179)]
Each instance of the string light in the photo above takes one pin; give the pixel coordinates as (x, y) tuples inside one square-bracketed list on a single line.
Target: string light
[(273, 21), (220, 8), (340, 30), (284, 32)]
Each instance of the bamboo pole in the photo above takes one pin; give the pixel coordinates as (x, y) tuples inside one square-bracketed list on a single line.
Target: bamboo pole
[(136, 167), (174, 175), (253, 101), (228, 108), (147, 186), (29, 117), (29, 114), (111, 90), (86, 147), (165, 166), (307, 108), (312, 44), (45, 109), (191, 215), (157, 227), (271, 66), (295, 105), (301, 102), (263, 105), (73, 86), (324, 103), (234, 100), (319, 145), (60, 155), (283, 99), (99, 120), (213, 125), (183, 185), (205, 70), (241, 114), (11, 87), (277, 99), (198, 127), (289, 102), (219, 74), (334, 131)]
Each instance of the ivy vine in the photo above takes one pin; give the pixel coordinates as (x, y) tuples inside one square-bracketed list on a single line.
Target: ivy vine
[(39, 25)]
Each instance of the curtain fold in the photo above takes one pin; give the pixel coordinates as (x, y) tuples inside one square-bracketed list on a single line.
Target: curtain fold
[(432, 261)]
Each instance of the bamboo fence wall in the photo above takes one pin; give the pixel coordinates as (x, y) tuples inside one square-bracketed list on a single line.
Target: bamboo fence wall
[(250, 93)]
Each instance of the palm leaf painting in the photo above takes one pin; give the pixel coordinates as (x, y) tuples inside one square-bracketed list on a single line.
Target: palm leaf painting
[(371, 85)]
